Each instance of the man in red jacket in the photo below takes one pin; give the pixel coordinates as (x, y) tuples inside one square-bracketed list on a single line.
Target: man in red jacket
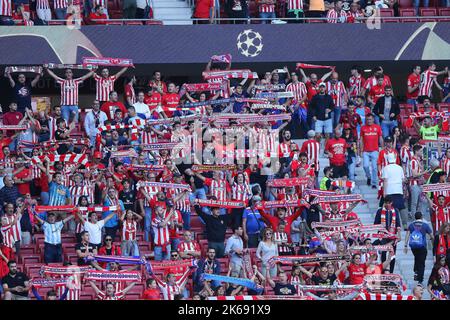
[(280, 215)]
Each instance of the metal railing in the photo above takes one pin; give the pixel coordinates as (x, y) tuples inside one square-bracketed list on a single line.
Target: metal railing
[(251, 20)]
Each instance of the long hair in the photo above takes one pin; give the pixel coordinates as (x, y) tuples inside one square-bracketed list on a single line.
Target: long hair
[(264, 233), (442, 228)]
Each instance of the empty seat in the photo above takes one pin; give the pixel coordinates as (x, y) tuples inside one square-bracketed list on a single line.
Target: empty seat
[(28, 249), (30, 258), (154, 22), (427, 12), (405, 4), (133, 23), (387, 13), (444, 12), (408, 12)]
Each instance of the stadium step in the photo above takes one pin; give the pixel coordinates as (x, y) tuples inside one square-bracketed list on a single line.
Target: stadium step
[(172, 12)]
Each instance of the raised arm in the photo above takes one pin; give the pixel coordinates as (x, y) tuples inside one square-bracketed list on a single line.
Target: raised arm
[(87, 75), (121, 72), (52, 74), (11, 80), (326, 75), (128, 288), (35, 80)]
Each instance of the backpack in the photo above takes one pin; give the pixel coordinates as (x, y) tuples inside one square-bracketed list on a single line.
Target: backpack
[(416, 238)]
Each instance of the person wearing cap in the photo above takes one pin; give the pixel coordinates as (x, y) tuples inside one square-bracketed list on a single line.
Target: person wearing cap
[(321, 108), (393, 178), (93, 120), (387, 109), (252, 223), (52, 236)]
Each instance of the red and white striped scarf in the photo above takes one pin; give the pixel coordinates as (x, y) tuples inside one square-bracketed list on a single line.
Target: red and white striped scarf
[(113, 276), (103, 61), (67, 158)]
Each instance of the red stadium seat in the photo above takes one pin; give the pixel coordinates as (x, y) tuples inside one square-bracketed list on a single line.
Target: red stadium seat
[(316, 21), (28, 249), (408, 12), (85, 296), (196, 222), (387, 13), (427, 12), (154, 22), (133, 296), (443, 107), (133, 23), (30, 258), (444, 12), (405, 4)]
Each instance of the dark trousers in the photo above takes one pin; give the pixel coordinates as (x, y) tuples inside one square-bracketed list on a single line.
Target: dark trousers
[(384, 256), (253, 240), (420, 255), (219, 247), (290, 14), (339, 171), (52, 253), (111, 232), (236, 217)]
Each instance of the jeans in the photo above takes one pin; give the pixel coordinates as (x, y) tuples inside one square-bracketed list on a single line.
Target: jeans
[(219, 247), (52, 253), (130, 248), (387, 127), (425, 3), (351, 168), (253, 240), (418, 203), (174, 243), (148, 230), (60, 13), (336, 116), (420, 255), (272, 270), (67, 110), (45, 197), (186, 216), (160, 255), (370, 162), (267, 16)]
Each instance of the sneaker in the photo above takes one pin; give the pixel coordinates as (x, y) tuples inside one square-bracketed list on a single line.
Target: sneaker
[(374, 187), (415, 277), (368, 181)]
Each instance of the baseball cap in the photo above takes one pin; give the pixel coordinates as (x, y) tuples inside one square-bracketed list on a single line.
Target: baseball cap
[(97, 155), (322, 85), (347, 126), (388, 139)]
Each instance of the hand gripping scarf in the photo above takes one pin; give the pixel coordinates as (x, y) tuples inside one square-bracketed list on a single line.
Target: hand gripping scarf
[(336, 224), (209, 102), (291, 260), (343, 183), (339, 198), (54, 143), (239, 281), (225, 58), (258, 298), (103, 61), (134, 276), (283, 204), (313, 66), (418, 115), (288, 182), (221, 204), (165, 185), (121, 260), (31, 69), (377, 281)]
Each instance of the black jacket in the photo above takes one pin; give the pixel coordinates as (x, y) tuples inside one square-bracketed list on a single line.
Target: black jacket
[(215, 227), (318, 104), (395, 108)]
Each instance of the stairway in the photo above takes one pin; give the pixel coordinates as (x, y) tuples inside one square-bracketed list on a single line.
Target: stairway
[(173, 10), (366, 212)]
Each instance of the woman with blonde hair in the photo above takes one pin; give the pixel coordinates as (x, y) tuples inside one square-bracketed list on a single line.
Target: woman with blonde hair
[(267, 249)]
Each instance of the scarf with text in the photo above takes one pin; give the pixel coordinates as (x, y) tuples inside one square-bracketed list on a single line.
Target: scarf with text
[(376, 281), (339, 198), (48, 283), (163, 146), (443, 245), (70, 66), (163, 265), (145, 167), (392, 227), (198, 87), (238, 281), (165, 185), (336, 224), (283, 204), (228, 204), (103, 61), (134, 276), (18, 127), (366, 249), (225, 58), (212, 167), (433, 114), (307, 259), (247, 264), (31, 69), (133, 129), (270, 87), (65, 271), (340, 287), (312, 66), (260, 106), (230, 74), (208, 102), (275, 95), (288, 182), (436, 187)]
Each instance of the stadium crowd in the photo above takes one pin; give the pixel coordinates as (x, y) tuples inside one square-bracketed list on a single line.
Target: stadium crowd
[(198, 190), (98, 12)]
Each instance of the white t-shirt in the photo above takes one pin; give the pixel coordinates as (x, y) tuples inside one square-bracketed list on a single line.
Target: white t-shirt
[(142, 108), (393, 177), (95, 231)]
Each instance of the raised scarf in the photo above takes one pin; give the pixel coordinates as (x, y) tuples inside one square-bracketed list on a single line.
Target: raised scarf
[(365, 249), (134, 276), (103, 61), (268, 106), (162, 146), (190, 87), (275, 95), (165, 185), (225, 58), (145, 167), (336, 224), (239, 281), (70, 66), (48, 283), (230, 74), (436, 187), (32, 69), (312, 66), (72, 158), (213, 167), (339, 198), (283, 204), (381, 296), (228, 204), (288, 182), (69, 270), (306, 259), (392, 227), (443, 245)]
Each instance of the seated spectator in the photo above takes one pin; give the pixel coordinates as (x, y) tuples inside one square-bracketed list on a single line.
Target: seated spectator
[(15, 284), (97, 16)]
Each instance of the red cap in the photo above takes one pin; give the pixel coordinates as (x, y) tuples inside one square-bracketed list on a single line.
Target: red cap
[(97, 155), (347, 126), (352, 216)]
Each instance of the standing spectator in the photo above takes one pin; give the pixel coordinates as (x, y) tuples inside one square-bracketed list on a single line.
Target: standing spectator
[(143, 9), (252, 223), (129, 93), (52, 237), (417, 180), (416, 238), (439, 282), (43, 10), (320, 109), (371, 140), (69, 92), (94, 227), (6, 13), (59, 194), (110, 107), (112, 225), (129, 10), (294, 9), (393, 178), (111, 293), (9, 193), (204, 9), (15, 284), (129, 233), (109, 249), (234, 249), (216, 227), (93, 120), (427, 131), (337, 15), (266, 9), (97, 16), (441, 245), (13, 117), (356, 81), (413, 86), (160, 225), (336, 89), (427, 78), (60, 8), (22, 91), (209, 265), (267, 249), (336, 149), (237, 9), (105, 83), (388, 109), (141, 107), (389, 217)]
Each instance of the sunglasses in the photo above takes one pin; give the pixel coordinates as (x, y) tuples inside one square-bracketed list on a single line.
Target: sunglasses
[(174, 255), (108, 239)]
